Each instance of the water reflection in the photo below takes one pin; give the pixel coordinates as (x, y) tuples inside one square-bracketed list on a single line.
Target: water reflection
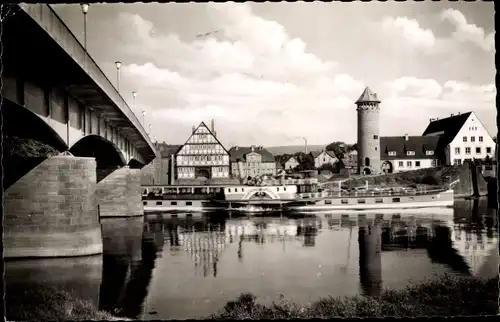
[(189, 267)]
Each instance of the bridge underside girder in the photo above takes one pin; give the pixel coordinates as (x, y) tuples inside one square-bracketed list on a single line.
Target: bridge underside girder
[(31, 57)]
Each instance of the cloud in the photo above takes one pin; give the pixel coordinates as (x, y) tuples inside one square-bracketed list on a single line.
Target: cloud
[(425, 98), (465, 32), (416, 87), (410, 30)]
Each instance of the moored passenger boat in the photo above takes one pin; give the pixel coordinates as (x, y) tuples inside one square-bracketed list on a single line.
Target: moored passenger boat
[(292, 194)]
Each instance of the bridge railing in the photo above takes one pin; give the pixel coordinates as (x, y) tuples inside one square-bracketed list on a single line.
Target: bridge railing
[(48, 19)]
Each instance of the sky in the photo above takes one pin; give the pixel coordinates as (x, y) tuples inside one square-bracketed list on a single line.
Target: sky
[(272, 73)]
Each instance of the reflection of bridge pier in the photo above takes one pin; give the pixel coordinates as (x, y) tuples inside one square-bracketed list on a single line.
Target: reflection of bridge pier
[(124, 266), (370, 261)]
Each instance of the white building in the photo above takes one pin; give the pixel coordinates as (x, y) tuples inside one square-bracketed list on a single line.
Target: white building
[(290, 164), (403, 153), (324, 157), (463, 137), (251, 162), (202, 156)]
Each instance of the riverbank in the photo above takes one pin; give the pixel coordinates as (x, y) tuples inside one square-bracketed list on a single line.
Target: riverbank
[(44, 303), (450, 296)]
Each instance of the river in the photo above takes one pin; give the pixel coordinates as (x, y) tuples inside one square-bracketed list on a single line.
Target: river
[(159, 268)]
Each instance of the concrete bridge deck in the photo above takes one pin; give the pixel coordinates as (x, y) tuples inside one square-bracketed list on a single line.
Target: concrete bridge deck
[(73, 148)]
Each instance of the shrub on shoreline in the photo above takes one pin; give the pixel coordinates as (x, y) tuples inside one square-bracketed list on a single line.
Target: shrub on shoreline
[(447, 297), (47, 303)]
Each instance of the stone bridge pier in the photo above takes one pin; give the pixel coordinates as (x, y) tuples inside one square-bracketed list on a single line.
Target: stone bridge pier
[(72, 148)]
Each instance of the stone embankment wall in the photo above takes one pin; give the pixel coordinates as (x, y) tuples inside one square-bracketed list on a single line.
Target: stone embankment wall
[(471, 180)]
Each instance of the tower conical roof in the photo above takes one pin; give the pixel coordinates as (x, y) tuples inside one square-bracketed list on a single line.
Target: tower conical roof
[(368, 96)]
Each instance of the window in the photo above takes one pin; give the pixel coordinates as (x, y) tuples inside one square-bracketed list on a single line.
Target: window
[(379, 200), (367, 162), (480, 139), (478, 150), (410, 152), (344, 201), (401, 163), (278, 189), (173, 203), (284, 188), (467, 150), (464, 139), (361, 201), (229, 190), (457, 150), (473, 139), (392, 153), (457, 162), (417, 163), (375, 137), (434, 163), (429, 152), (408, 164), (189, 203), (158, 203), (328, 202), (376, 149), (144, 203), (488, 150), (235, 189), (396, 199)]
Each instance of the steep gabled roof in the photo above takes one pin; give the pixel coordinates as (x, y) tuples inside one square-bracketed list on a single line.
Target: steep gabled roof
[(400, 145), (448, 127), (238, 153), (368, 96), (209, 131), (331, 153), (315, 154)]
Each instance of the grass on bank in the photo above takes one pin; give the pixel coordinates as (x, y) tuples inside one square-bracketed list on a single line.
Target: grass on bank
[(449, 296), (47, 303)]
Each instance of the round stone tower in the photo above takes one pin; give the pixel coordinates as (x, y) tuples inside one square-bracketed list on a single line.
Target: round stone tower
[(368, 133)]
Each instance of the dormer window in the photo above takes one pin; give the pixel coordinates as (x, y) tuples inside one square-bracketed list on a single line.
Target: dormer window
[(392, 153), (410, 152), (429, 152)]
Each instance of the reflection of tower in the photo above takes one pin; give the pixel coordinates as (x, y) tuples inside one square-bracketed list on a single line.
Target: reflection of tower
[(370, 261), (368, 133)]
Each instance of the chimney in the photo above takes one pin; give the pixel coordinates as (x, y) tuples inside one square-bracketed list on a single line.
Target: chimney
[(458, 113), (192, 130), (451, 114), (406, 136), (236, 148), (212, 126)]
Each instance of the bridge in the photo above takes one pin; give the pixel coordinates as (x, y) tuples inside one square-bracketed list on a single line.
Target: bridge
[(72, 147)]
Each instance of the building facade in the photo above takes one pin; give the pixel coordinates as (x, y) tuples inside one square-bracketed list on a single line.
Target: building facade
[(291, 164), (162, 170), (324, 157), (462, 138), (350, 161), (404, 153), (251, 162), (368, 133), (202, 156)]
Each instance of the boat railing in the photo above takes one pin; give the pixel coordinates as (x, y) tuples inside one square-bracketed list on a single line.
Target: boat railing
[(372, 193)]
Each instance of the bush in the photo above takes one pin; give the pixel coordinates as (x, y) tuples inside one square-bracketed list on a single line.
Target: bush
[(45, 303), (449, 296)]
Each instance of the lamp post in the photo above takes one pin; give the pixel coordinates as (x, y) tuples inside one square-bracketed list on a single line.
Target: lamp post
[(85, 9), (134, 95), (305, 142), (150, 126), (143, 114), (118, 65)]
